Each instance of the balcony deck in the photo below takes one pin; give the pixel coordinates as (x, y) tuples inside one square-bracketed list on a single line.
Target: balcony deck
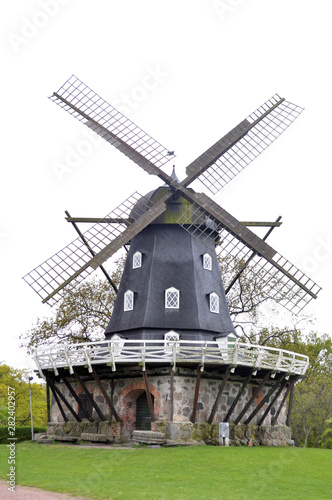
[(159, 352)]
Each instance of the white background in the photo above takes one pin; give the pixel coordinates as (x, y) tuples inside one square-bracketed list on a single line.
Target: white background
[(210, 64)]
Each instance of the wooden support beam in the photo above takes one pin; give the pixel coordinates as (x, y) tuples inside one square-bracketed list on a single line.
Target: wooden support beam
[(75, 396), (221, 390), (56, 391), (104, 393), (266, 397), (64, 416), (171, 395), (273, 400), (198, 379), (290, 405), (260, 387), (290, 385), (88, 395), (239, 394), (148, 395), (48, 401)]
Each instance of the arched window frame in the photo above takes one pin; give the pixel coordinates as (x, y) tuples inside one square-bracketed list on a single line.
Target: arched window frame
[(171, 339), (172, 298), (214, 303), (207, 262), (137, 260), (128, 300), (117, 343)]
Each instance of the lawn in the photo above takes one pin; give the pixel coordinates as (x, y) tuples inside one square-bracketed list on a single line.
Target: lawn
[(202, 472)]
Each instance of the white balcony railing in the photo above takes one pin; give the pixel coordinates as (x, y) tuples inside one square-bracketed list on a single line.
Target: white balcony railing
[(181, 352)]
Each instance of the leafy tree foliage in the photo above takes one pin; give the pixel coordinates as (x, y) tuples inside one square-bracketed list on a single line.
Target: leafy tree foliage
[(312, 402), (18, 380), (81, 316), (327, 436)]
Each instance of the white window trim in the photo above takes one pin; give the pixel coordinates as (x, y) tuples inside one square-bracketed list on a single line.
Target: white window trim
[(175, 291), (117, 343), (214, 303), (207, 262), (128, 300), (171, 339), (137, 260)]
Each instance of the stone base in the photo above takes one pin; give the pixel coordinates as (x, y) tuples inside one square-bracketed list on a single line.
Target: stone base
[(111, 431), (265, 435), (148, 437), (177, 433), (94, 438)]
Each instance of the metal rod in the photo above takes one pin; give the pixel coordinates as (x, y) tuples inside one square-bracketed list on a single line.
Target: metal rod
[(198, 379), (221, 390), (86, 243), (260, 387), (239, 394), (104, 220), (104, 393), (234, 280)]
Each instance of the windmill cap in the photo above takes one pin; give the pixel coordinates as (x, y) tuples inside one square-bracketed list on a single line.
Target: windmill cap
[(178, 209)]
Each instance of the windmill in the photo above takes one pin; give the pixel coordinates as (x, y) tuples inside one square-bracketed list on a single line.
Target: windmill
[(168, 214), (214, 168)]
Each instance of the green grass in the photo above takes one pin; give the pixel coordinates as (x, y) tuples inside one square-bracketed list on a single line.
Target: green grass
[(202, 472)]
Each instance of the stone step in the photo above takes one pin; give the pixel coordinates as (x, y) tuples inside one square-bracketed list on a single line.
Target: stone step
[(95, 438), (148, 437), (69, 439)]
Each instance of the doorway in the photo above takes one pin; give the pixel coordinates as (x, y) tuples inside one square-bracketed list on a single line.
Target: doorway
[(143, 417)]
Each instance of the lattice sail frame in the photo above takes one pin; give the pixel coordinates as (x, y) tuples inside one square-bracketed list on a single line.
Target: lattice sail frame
[(216, 167), (102, 117), (48, 276), (264, 131), (266, 280)]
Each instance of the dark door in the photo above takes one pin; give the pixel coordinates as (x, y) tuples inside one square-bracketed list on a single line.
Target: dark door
[(87, 405), (143, 417)]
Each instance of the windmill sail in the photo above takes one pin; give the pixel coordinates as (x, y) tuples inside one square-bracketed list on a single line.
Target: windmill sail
[(101, 117), (73, 263), (268, 275), (231, 154), (271, 274)]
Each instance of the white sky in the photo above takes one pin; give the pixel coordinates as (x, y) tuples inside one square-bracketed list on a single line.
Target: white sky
[(210, 64)]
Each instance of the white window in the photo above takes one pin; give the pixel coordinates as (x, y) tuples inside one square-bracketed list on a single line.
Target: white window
[(128, 304), (172, 298), (137, 260), (171, 339), (214, 303), (207, 262), (117, 343)]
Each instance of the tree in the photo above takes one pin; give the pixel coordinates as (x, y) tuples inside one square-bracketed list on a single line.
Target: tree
[(83, 312), (327, 436), (18, 380), (81, 316)]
